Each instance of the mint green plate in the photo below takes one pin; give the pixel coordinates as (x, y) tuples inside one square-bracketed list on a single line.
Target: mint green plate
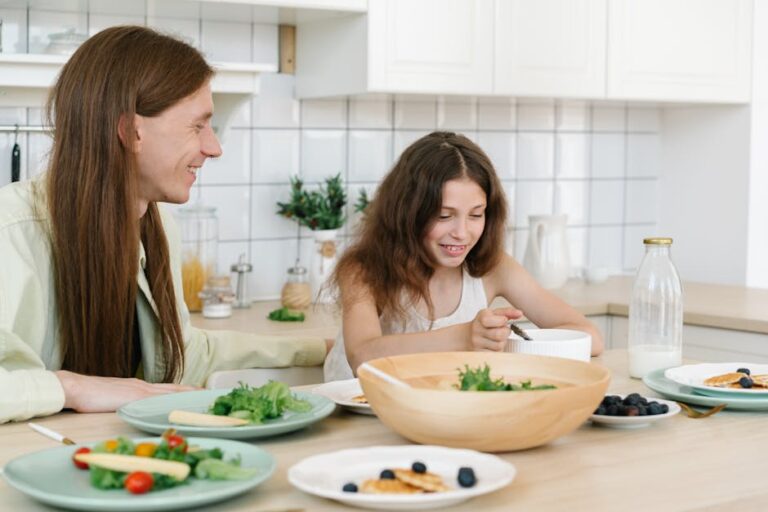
[(151, 415), (670, 389), (51, 477)]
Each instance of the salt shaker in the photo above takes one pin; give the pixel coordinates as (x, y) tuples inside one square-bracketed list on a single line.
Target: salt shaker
[(655, 312), (217, 297), (241, 267)]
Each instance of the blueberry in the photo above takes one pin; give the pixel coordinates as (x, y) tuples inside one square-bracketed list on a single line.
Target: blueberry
[(419, 467), (601, 410), (745, 382), (350, 487), (654, 408), (467, 477), (744, 370), (612, 410), (642, 410), (387, 474), (664, 408), (632, 399)]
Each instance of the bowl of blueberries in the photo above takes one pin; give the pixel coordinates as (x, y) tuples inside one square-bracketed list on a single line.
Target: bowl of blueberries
[(632, 411)]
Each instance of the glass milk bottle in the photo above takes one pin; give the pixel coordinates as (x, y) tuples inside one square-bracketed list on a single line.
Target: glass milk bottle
[(199, 247), (655, 312)]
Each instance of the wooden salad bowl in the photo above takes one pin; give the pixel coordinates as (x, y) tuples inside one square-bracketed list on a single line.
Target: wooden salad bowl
[(416, 396)]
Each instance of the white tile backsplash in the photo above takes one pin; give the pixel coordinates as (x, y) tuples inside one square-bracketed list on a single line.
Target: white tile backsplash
[(501, 148), (323, 154), (411, 114), (370, 155), (370, 112), (607, 155), (605, 247), (643, 153), (572, 116), (640, 203), (533, 198), (232, 207), (572, 155), (456, 115), (607, 202), (275, 155), (324, 113), (608, 119), (539, 115), (497, 114), (596, 162), (234, 164), (535, 155)]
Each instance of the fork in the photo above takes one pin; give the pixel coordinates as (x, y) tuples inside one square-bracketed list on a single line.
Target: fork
[(693, 413)]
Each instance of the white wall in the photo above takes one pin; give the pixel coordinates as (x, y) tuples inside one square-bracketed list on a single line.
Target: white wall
[(757, 247), (703, 191)]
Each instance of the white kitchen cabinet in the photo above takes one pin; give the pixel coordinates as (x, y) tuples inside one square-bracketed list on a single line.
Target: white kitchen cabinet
[(680, 50), (401, 46), (706, 343), (550, 48)]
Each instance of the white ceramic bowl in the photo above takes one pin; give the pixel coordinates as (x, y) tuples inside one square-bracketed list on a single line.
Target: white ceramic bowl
[(565, 343)]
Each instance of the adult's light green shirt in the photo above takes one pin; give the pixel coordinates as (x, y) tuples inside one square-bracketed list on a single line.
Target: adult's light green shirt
[(29, 345)]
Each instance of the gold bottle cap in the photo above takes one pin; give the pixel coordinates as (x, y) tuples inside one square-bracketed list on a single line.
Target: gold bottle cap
[(657, 241)]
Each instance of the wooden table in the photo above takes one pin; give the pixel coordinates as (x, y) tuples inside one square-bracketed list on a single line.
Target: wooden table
[(675, 464)]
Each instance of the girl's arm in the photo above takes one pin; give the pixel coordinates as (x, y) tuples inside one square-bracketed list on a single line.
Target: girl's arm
[(363, 339), (511, 281)]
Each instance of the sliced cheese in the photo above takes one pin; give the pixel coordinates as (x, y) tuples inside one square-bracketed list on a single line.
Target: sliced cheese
[(129, 463), (204, 420)]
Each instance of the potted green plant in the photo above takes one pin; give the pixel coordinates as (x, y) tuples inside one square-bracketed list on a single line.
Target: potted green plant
[(322, 211)]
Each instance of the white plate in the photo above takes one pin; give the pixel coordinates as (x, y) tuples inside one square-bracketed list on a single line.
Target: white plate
[(693, 375), (342, 392), (325, 475), (636, 421)]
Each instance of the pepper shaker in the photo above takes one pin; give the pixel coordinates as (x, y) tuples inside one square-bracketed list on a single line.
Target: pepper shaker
[(241, 267)]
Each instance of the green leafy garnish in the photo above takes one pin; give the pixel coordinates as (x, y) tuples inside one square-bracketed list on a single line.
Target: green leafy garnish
[(258, 404), (286, 315), (479, 379)]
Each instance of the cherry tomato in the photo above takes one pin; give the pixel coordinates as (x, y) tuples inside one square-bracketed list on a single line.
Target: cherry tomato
[(145, 449), (80, 465), (139, 482), (174, 441), (110, 445)]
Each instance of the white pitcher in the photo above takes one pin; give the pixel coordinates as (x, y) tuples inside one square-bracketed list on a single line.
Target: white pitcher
[(546, 256)]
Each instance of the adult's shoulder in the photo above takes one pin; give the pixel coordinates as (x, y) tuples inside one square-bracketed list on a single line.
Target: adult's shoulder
[(21, 202)]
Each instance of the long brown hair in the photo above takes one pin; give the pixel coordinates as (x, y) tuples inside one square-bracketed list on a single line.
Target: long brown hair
[(92, 196), (389, 255)]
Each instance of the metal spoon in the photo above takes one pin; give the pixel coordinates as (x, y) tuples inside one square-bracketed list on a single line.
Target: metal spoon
[(517, 330)]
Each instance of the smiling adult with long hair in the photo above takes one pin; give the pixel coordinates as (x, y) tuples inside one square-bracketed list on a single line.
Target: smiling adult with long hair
[(429, 259), (90, 280)]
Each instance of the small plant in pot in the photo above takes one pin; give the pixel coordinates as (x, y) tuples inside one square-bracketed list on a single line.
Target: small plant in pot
[(322, 211)]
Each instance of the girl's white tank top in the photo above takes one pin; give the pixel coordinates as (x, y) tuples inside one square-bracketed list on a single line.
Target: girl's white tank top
[(472, 300)]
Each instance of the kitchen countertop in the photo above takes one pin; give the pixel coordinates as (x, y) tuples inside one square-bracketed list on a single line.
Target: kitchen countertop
[(709, 305), (675, 464)]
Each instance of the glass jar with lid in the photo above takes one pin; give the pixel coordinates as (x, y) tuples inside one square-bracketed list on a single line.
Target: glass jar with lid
[(217, 297), (297, 293), (199, 247), (655, 312)]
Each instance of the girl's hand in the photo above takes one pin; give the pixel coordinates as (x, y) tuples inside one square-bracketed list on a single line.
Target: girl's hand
[(490, 328), (107, 394)]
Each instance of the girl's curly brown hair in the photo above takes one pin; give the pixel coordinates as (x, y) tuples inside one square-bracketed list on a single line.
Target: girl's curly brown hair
[(389, 256)]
